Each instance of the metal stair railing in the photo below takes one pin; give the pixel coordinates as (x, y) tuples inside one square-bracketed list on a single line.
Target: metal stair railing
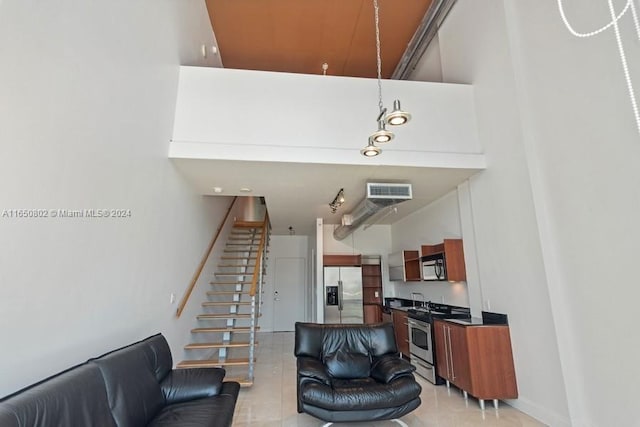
[(256, 293)]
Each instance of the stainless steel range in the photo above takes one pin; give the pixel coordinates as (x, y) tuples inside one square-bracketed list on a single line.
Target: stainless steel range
[(421, 342)]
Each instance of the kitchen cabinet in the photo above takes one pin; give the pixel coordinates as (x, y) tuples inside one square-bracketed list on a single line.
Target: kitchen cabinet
[(387, 317), (452, 252), (342, 260), (401, 327), (371, 289), (404, 266), (372, 313), (477, 359)]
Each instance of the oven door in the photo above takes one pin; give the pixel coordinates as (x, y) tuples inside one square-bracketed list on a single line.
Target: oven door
[(420, 340)]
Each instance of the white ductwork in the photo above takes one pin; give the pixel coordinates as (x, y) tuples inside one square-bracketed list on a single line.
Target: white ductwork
[(379, 196)]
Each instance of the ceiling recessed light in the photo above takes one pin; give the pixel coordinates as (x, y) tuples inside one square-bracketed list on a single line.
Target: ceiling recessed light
[(245, 190), (217, 189)]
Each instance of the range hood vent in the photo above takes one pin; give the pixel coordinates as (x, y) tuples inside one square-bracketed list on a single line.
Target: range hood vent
[(379, 196)]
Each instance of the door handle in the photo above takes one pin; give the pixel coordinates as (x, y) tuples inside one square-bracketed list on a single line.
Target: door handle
[(340, 295)]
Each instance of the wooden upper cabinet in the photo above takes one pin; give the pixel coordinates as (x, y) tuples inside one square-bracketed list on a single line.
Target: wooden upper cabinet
[(453, 254), (412, 266), (342, 260), (404, 266), (372, 288)]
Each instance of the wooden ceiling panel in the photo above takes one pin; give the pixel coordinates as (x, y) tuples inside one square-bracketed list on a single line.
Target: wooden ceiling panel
[(299, 35)]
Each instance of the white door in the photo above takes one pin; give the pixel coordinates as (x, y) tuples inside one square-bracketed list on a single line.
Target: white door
[(288, 293)]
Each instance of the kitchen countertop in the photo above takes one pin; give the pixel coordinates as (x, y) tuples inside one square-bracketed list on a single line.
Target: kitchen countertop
[(405, 309), (487, 319), (474, 321)]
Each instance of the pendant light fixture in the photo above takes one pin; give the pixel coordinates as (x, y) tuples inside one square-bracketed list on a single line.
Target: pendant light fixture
[(370, 150), (396, 117)]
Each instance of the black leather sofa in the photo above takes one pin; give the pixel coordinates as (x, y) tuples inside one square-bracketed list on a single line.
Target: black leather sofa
[(350, 373), (133, 386)]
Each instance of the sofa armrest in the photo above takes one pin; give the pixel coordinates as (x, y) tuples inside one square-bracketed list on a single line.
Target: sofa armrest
[(312, 368), (388, 368), (188, 384)]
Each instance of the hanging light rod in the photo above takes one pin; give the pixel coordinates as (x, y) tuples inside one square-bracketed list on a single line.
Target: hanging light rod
[(396, 117)]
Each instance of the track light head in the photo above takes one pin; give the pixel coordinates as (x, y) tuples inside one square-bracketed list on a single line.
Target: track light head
[(370, 150), (382, 135), (397, 117)]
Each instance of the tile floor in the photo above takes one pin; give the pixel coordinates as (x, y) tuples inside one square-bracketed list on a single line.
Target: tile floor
[(272, 399)]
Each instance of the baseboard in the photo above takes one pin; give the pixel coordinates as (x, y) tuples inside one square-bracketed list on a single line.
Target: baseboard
[(540, 413)]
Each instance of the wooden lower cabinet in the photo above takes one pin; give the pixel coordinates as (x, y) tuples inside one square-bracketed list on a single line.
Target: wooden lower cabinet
[(401, 327), (372, 313), (476, 359)]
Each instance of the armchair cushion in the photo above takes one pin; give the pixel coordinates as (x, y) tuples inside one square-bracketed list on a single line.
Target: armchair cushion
[(189, 384), (347, 365), (361, 394), (313, 368), (387, 369)]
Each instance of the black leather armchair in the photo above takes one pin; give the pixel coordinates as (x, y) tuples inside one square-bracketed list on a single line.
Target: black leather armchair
[(353, 373)]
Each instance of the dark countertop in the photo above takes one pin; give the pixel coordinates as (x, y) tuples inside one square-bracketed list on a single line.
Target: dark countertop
[(474, 321), (487, 319), (400, 308)]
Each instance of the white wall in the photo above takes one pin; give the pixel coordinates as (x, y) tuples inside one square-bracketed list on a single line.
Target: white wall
[(429, 226), (318, 104), (534, 93), (87, 96), (583, 149)]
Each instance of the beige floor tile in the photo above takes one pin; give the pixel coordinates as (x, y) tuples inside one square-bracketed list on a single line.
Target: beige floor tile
[(271, 401)]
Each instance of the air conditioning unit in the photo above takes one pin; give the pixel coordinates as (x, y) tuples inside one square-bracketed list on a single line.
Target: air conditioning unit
[(379, 195), (377, 190)]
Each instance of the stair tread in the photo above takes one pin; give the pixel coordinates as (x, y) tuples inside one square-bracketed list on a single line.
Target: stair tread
[(206, 345), (223, 303), (248, 224), (244, 382), (227, 292), (218, 273), (234, 282), (204, 363), (237, 329), (236, 265), (224, 316), (229, 283)]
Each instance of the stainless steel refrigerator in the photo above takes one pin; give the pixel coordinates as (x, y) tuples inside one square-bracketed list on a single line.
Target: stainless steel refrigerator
[(343, 295)]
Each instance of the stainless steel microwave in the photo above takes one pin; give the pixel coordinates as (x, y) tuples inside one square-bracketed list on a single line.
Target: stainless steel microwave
[(434, 269)]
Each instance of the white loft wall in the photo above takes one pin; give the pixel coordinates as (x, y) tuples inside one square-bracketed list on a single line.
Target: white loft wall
[(583, 150), (331, 112), (87, 96), (475, 48), (428, 226)]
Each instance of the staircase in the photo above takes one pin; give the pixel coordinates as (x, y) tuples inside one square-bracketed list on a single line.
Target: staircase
[(226, 336)]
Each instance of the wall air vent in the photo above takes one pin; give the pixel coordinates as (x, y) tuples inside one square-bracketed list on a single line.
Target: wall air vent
[(388, 191), (379, 196)]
